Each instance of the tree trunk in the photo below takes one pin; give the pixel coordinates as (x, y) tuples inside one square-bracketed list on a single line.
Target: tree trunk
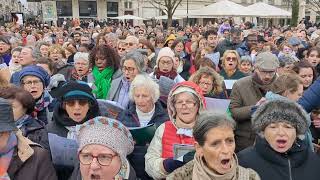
[(169, 23), (295, 12)]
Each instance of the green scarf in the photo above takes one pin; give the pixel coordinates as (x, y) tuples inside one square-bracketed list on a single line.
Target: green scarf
[(102, 81)]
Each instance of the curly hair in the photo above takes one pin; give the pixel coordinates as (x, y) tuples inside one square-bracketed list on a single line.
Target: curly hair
[(209, 72), (112, 57)]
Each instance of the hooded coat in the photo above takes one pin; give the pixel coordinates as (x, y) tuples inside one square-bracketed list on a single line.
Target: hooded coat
[(154, 157)]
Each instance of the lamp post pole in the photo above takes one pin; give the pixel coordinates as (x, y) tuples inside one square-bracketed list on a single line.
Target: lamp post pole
[(187, 12)]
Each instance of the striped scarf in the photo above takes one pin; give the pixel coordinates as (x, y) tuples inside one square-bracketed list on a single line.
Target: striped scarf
[(42, 103), (6, 156)]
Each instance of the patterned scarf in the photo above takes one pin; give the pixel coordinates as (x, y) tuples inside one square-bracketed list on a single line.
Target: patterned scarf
[(172, 74), (42, 103), (23, 121), (102, 81), (6, 156)]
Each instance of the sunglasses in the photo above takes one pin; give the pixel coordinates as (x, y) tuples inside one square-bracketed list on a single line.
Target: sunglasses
[(72, 103), (121, 49), (231, 59), (129, 44)]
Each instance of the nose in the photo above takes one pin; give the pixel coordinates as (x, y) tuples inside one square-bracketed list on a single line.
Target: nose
[(281, 131), (94, 164), (224, 148)]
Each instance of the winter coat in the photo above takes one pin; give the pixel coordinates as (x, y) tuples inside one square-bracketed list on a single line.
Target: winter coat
[(115, 87), (226, 45), (311, 97), (244, 95), (243, 49), (185, 173), (30, 161), (35, 131), (130, 119), (298, 163)]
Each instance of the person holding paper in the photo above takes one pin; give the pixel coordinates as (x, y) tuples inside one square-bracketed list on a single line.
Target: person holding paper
[(104, 144), (249, 92), (210, 82), (145, 111), (184, 104), (215, 157)]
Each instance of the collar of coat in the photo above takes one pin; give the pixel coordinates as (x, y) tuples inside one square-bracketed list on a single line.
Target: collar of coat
[(25, 151)]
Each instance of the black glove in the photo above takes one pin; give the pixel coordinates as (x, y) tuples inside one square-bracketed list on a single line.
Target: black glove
[(170, 165)]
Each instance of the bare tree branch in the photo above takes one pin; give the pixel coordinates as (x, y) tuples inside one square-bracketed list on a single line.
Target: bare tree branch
[(176, 6)]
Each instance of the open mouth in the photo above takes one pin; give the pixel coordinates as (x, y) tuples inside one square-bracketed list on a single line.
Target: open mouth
[(95, 176), (226, 163), (281, 143), (165, 70)]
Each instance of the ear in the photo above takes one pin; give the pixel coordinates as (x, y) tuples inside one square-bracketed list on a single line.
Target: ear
[(199, 150)]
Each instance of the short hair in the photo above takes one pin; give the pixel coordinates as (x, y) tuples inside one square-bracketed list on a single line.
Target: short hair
[(211, 32), (112, 57), (58, 49), (36, 54), (137, 57), (228, 52), (143, 80), (208, 120), (42, 43), (176, 42), (46, 60), (81, 55), (313, 49), (21, 95), (287, 81), (18, 49), (246, 58)]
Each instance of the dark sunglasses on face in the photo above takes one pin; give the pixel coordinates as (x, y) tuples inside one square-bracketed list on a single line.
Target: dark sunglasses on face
[(121, 49), (129, 44), (231, 59), (72, 102)]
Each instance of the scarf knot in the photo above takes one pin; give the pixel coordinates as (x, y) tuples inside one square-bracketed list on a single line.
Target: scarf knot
[(102, 81)]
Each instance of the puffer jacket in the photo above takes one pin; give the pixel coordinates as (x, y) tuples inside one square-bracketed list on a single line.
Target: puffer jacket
[(153, 157), (30, 161), (297, 164), (311, 97)]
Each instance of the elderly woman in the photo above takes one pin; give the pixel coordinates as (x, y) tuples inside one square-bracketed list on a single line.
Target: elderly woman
[(165, 66), (104, 144), (35, 79), (21, 158), (23, 105), (215, 157), (230, 65), (185, 102), (280, 151), (132, 64), (144, 111), (210, 82), (81, 67), (121, 48), (246, 66), (105, 73), (76, 105)]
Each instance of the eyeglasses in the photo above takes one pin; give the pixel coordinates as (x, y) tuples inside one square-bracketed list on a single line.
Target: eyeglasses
[(29, 83), (168, 63), (129, 69), (81, 64), (267, 73), (72, 103), (121, 49), (129, 44), (140, 32), (231, 59), (188, 104), (103, 159), (205, 84)]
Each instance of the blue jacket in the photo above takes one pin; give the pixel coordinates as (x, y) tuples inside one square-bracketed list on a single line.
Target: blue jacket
[(243, 49), (311, 97)]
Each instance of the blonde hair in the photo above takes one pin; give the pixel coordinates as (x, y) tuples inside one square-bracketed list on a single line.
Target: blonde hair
[(228, 52)]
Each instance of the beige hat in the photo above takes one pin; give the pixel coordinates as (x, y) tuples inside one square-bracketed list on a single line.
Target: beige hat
[(165, 52), (266, 61)]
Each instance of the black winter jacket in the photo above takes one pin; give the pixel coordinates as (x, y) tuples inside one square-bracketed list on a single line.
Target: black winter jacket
[(299, 163)]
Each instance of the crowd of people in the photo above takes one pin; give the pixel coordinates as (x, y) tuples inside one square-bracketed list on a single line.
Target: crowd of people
[(107, 88)]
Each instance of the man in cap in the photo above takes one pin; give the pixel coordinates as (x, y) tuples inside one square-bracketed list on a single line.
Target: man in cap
[(249, 92), (20, 158)]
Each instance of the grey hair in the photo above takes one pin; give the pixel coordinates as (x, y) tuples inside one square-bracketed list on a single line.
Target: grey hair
[(209, 119), (246, 58), (19, 48), (81, 55), (41, 43), (144, 80), (137, 57), (112, 36), (36, 54)]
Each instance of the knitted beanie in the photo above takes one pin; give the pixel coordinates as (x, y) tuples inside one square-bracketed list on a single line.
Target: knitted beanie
[(280, 110), (165, 52), (36, 71), (107, 132)]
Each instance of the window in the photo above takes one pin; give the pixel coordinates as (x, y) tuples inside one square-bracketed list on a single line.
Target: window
[(271, 2), (88, 8), (128, 5), (64, 8), (112, 9)]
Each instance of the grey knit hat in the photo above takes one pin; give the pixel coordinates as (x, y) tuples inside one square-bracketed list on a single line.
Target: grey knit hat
[(107, 132), (280, 110)]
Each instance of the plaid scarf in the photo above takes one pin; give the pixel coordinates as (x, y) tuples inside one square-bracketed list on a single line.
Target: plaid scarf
[(6, 156), (172, 74), (42, 103)]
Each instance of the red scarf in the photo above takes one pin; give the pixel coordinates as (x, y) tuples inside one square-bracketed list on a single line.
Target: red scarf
[(172, 74)]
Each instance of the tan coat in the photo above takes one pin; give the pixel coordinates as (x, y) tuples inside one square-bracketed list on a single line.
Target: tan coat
[(245, 94)]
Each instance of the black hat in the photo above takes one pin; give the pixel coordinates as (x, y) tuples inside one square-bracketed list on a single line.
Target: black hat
[(6, 117)]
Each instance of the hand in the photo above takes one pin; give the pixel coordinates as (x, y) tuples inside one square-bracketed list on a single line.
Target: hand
[(261, 101), (170, 165)]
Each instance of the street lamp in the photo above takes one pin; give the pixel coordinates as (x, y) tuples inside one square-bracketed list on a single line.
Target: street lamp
[(187, 12)]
